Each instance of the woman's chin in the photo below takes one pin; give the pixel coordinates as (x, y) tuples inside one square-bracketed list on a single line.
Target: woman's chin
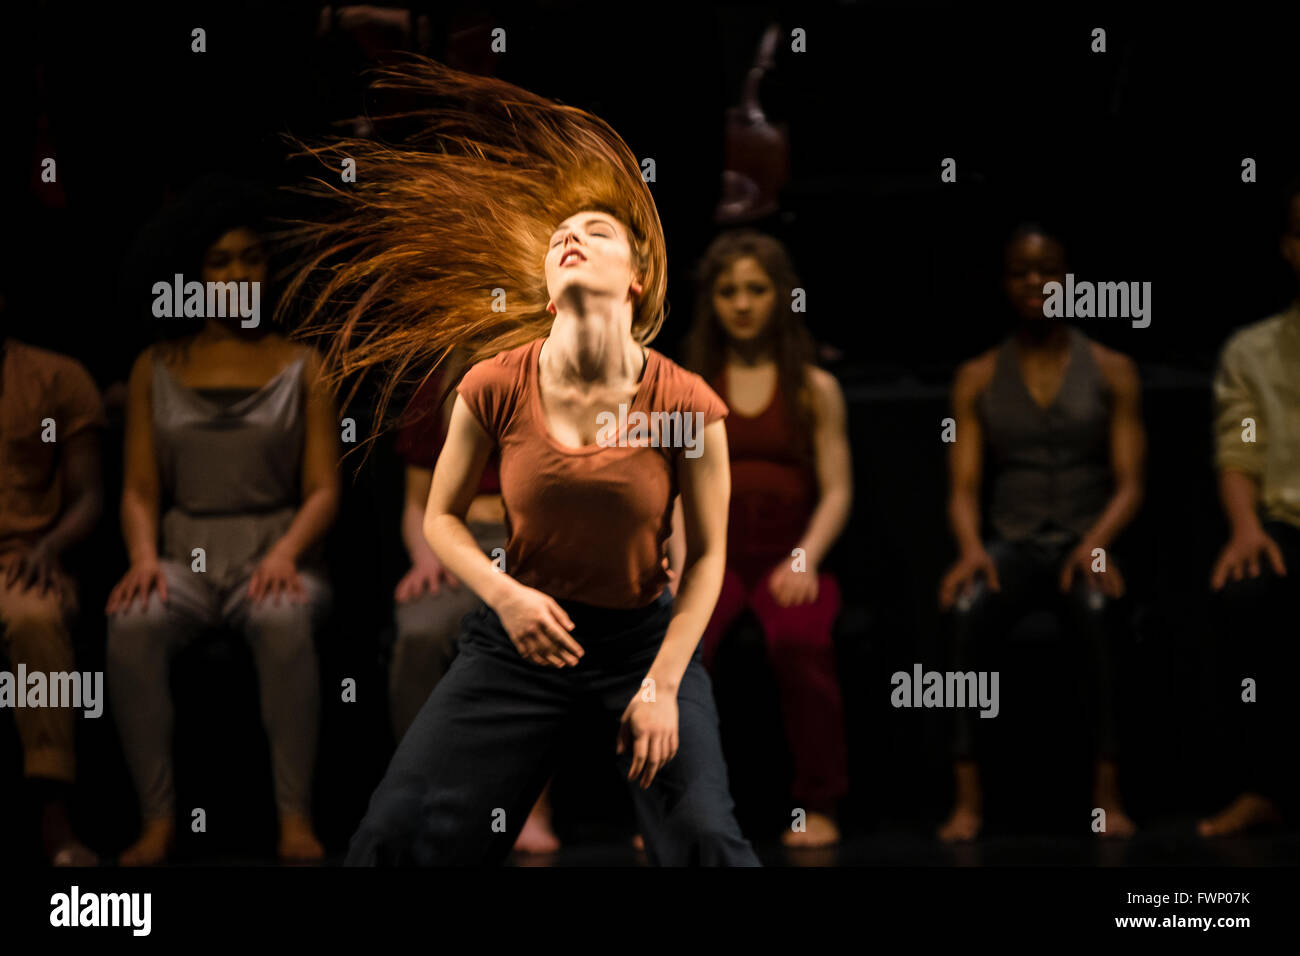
[(749, 333)]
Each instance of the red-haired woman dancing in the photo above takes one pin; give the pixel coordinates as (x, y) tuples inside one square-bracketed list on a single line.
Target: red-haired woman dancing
[(525, 233)]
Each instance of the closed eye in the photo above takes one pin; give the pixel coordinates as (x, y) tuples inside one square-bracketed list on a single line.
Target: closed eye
[(606, 234), (603, 235)]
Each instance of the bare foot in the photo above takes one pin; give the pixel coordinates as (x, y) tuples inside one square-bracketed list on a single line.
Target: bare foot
[(74, 853), (820, 830), (1119, 825), (298, 843), (1247, 811), (62, 848), (962, 825), (1105, 795), (153, 846), (537, 835), (967, 817)]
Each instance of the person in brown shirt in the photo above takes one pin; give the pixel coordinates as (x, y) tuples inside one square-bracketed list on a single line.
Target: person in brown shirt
[(521, 230), (597, 437), (50, 498)]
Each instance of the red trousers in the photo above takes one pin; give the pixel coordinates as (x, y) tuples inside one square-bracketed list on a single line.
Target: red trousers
[(802, 654)]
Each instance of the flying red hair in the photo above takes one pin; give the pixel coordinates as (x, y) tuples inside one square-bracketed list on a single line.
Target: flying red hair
[(421, 247)]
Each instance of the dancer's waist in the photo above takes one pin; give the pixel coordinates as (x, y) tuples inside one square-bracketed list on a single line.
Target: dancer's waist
[(602, 632), (617, 620)]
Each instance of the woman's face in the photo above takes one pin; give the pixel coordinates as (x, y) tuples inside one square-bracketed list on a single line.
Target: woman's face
[(590, 251), (238, 256), (1031, 262), (744, 297)]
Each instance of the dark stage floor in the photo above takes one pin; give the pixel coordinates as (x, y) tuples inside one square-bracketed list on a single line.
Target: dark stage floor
[(1169, 844), (1173, 844)]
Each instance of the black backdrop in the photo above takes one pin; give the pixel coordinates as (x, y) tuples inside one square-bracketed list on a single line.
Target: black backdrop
[(1135, 155)]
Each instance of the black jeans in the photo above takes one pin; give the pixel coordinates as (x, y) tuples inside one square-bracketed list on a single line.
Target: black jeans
[(481, 749), (1256, 630), (1029, 578)]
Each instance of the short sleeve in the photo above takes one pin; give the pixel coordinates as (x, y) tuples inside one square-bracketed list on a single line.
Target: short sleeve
[(79, 402), (485, 390), (681, 390), (700, 397), (1234, 401)]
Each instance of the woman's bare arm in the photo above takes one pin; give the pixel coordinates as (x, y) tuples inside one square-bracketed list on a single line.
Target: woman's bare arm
[(834, 465), (965, 464), (706, 492), (83, 487), (320, 473), (418, 483), (141, 491), (455, 481), (1127, 458), (965, 455), (1127, 448)]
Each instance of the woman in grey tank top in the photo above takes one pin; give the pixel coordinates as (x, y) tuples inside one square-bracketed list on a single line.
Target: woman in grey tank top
[(230, 485), (1057, 419)]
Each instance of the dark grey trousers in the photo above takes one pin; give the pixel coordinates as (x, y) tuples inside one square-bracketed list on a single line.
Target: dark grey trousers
[(1029, 573), (470, 767), (1254, 622)]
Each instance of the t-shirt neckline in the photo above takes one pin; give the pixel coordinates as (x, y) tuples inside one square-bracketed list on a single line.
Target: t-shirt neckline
[(534, 384)]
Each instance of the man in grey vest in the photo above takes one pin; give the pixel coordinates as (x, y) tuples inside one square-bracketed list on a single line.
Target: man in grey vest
[(1058, 418)]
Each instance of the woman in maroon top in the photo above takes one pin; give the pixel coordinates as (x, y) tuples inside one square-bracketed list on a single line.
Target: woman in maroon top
[(520, 229), (791, 492)]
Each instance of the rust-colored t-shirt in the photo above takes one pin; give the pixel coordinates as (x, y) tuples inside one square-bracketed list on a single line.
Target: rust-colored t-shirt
[(590, 524), (38, 385)]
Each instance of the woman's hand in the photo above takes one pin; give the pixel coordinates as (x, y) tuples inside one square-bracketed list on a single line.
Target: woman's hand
[(538, 627), (275, 575), (648, 729), (141, 578), (791, 587), (1241, 557), (961, 576), (1109, 582), (425, 577)]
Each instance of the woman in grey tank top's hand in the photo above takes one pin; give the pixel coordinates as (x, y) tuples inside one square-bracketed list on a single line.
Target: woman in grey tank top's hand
[(1058, 418), (230, 485)]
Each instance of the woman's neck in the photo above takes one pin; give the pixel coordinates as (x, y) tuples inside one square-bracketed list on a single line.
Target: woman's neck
[(750, 352), (592, 346), (215, 330), (1042, 335)]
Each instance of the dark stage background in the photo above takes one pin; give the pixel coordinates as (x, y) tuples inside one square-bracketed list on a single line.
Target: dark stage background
[(1134, 156)]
